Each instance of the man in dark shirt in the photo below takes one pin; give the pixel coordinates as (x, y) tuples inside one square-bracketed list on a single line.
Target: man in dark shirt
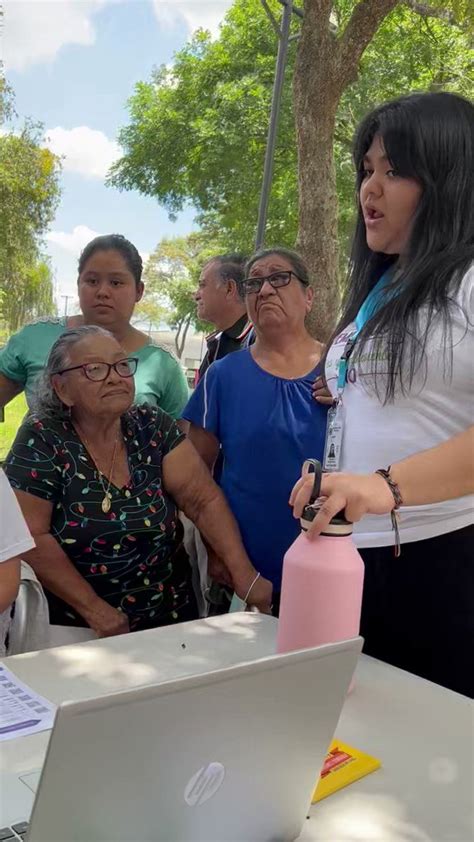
[(220, 301)]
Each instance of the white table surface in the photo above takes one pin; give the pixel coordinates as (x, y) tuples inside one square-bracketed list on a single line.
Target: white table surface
[(422, 733)]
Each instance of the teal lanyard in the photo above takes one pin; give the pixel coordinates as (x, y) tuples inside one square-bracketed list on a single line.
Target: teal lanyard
[(367, 310)]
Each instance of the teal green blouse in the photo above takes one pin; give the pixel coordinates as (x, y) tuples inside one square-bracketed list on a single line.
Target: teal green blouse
[(159, 380)]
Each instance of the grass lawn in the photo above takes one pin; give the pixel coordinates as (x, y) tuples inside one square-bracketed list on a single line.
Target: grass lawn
[(14, 413)]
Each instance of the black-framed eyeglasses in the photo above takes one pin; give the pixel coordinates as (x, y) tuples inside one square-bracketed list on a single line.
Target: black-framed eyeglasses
[(276, 280), (100, 371)]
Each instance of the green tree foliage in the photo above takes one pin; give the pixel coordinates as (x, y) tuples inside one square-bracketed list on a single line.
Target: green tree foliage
[(6, 99), (32, 295), (29, 193), (171, 278), (197, 131), (150, 310)]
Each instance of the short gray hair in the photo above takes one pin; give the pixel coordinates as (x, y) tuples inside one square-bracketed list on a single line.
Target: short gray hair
[(45, 402), (230, 267)]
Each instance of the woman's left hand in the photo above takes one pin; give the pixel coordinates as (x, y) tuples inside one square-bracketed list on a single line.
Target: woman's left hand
[(104, 619), (356, 494), (321, 393), (261, 593)]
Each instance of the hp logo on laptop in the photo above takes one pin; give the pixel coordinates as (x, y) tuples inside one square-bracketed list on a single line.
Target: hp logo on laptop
[(204, 784)]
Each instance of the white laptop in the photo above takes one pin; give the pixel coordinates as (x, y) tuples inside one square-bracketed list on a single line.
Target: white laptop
[(231, 754)]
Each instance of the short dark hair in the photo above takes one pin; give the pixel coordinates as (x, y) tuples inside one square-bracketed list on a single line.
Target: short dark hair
[(295, 259), (231, 267), (114, 242)]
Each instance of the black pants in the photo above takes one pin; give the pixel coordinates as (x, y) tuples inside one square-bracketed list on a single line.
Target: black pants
[(418, 609)]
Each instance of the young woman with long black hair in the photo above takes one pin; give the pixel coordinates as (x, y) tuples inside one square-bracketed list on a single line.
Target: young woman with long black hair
[(401, 370)]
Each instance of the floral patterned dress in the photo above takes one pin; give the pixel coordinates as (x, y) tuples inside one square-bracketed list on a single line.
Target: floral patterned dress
[(132, 555)]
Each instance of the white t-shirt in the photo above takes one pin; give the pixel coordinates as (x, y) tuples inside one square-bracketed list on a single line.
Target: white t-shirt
[(440, 405), (15, 537)]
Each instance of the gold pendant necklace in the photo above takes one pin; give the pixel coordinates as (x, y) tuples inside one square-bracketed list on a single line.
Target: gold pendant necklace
[(106, 504)]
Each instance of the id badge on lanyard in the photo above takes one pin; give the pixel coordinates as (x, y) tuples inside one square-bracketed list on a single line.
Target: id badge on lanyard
[(334, 432), (336, 415)]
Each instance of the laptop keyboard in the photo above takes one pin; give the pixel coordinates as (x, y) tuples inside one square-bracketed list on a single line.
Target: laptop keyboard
[(14, 833)]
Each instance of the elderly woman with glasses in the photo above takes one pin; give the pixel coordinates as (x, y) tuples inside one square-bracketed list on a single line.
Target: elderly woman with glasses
[(99, 482), (257, 406)]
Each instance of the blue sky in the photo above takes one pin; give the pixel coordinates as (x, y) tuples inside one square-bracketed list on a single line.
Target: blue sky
[(72, 65)]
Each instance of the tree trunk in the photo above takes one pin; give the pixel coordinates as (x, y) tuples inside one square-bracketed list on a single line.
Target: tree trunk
[(317, 91), (326, 64), (318, 205), (181, 333), (177, 337), (185, 333)]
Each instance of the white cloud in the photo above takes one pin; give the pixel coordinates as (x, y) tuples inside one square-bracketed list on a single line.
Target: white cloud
[(205, 14), (73, 242), (35, 30), (84, 150)]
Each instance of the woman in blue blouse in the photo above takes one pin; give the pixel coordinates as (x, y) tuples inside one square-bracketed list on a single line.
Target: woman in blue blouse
[(256, 405)]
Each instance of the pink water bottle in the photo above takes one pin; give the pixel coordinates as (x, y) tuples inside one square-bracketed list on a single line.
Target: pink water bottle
[(321, 594)]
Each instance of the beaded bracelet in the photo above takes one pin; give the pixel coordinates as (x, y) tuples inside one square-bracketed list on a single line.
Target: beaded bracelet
[(393, 486), (398, 501)]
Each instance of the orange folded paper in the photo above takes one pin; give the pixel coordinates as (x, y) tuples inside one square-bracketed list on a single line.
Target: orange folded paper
[(343, 766)]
